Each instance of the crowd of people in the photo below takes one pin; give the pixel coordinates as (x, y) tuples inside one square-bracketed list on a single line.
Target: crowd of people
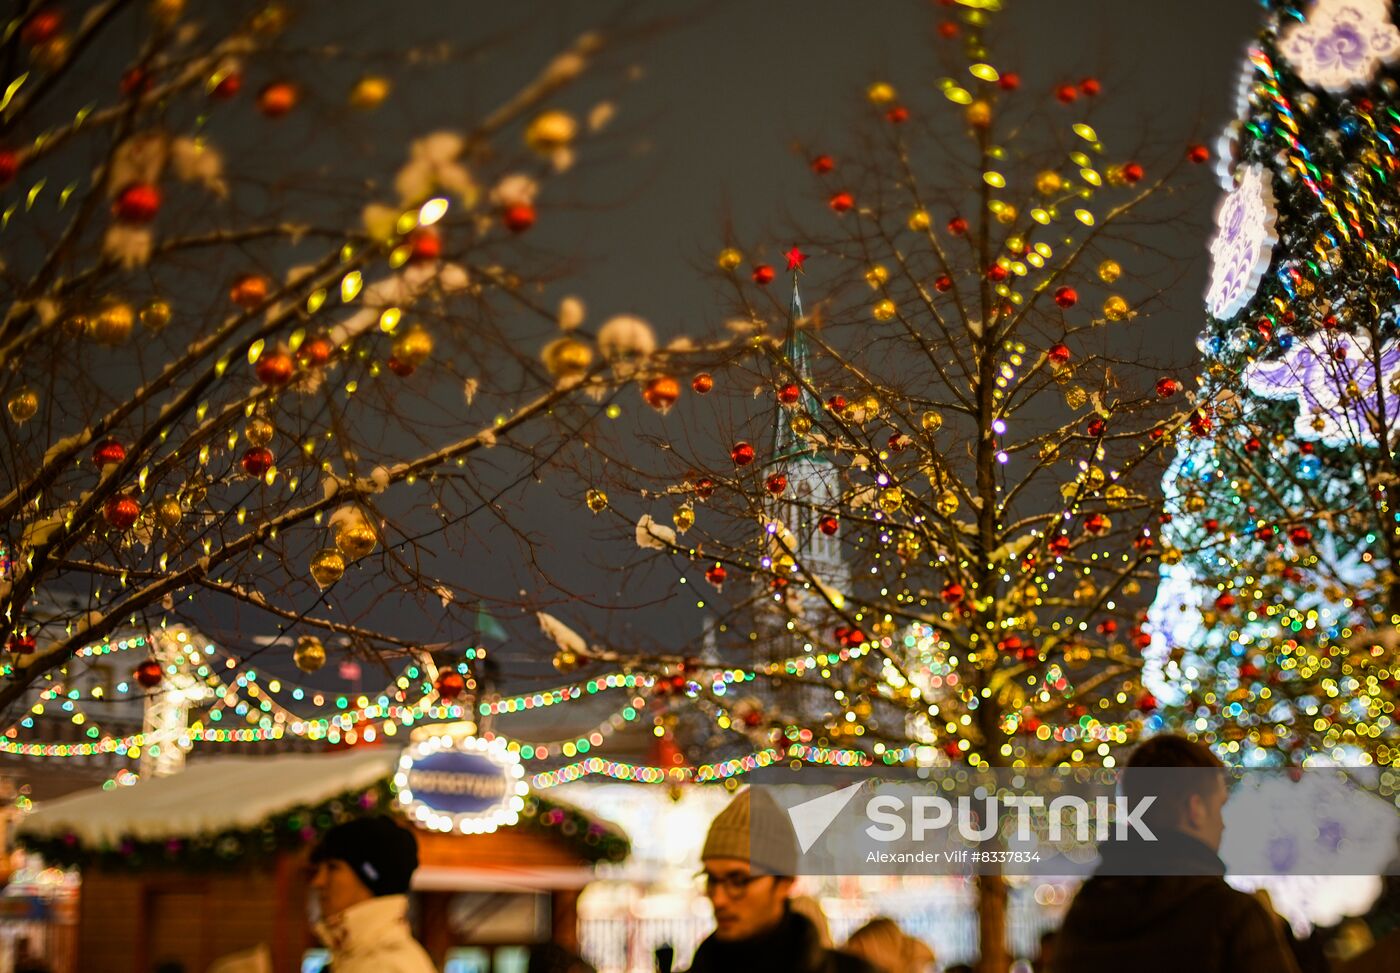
[(1177, 913)]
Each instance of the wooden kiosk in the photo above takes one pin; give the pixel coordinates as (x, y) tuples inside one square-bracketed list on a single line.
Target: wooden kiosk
[(190, 868)]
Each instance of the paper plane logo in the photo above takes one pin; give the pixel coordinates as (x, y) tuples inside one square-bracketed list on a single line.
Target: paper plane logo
[(810, 819)]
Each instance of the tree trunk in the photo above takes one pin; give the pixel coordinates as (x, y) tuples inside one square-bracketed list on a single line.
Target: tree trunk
[(991, 924)]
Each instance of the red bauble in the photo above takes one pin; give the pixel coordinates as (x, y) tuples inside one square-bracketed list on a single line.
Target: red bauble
[(399, 367), (249, 290), (996, 273), (1066, 296), (661, 393), (148, 674), (1067, 93), (424, 245), (1253, 445), (1143, 542), (1058, 353), (1096, 426), (776, 483), (715, 575), (1225, 601), (9, 166), (274, 368), (121, 511), (1107, 627), (229, 86), (789, 393), (742, 454), (257, 461), (137, 203), (518, 218), (898, 442), (1059, 545), (841, 202), (702, 383), (1009, 81), (1200, 423), (134, 81), (1211, 525), (897, 115), (762, 274), (1146, 703), (449, 685), (1096, 523), (1132, 173), (42, 27), (948, 29), (951, 593), (22, 644), (823, 164), (704, 488), (315, 352), (1300, 535), (1198, 154), (1090, 87), (836, 403), (943, 283), (1167, 387), (278, 98), (1329, 321), (828, 525), (957, 226), (107, 453)]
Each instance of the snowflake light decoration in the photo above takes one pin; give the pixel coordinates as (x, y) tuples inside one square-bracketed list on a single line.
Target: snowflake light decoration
[(1243, 244), (1342, 43)]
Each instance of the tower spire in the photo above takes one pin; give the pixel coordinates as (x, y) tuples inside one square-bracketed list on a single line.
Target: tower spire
[(787, 444)]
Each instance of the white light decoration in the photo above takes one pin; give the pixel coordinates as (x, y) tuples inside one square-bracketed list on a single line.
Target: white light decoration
[(462, 784), (1243, 244), (1342, 43)]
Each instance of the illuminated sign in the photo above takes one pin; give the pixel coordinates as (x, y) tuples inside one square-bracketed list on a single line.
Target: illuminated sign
[(461, 784)]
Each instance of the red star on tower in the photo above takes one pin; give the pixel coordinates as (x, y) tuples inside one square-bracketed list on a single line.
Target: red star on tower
[(795, 257)]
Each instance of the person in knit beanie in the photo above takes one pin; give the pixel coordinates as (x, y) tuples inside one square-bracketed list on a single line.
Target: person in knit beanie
[(749, 860), (362, 870)]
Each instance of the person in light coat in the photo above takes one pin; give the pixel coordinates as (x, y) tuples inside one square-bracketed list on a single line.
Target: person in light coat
[(362, 873)]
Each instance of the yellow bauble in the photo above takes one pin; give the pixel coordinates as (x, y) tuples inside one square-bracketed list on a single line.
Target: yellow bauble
[(355, 538), (877, 275), (566, 660), (801, 424), (1094, 477), (370, 91), (259, 431), (1048, 183), (979, 114), (883, 310), (1085, 590), (931, 421), (729, 258), (947, 503), (327, 567), (1131, 587), (684, 519), (169, 512), (871, 405), (566, 357), (155, 314), (1115, 308), (550, 131), (1006, 215), (309, 654), (891, 499), (1171, 555), (413, 346), (597, 501), (113, 323), (1117, 496), (76, 325), (23, 405), (1076, 397), (880, 93), (1195, 503), (1110, 271), (919, 220)]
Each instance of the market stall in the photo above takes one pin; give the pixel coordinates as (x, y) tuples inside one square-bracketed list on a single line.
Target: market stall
[(188, 868)]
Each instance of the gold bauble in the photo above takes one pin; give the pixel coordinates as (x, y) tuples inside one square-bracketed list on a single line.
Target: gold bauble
[(1076, 397), (877, 275), (76, 325), (597, 501), (370, 91), (801, 424), (880, 93), (566, 660), (309, 654), (168, 512), (947, 503), (1110, 271), (1195, 503), (1115, 308), (413, 346), (1117, 496), (871, 406), (566, 357), (1131, 587), (23, 405), (883, 310), (155, 314), (1048, 183), (259, 431), (1094, 477), (1007, 215), (355, 538), (891, 499), (729, 258), (919, 221), (550, 131), (931, 421), (1171, 555), (327, 567), (1085, 590), (113, 323), (979, 114), (684, 519)]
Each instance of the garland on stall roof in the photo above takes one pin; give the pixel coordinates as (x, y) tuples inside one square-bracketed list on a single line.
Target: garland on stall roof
[(302, 827)]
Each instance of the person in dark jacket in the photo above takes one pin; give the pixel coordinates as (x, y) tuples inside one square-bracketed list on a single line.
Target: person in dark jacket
[(749, 860), (1158, 906)]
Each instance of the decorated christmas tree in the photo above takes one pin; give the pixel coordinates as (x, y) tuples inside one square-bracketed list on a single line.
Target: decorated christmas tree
[(1275, 623)]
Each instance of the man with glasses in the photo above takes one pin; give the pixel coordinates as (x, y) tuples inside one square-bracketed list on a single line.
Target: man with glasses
[(1163, 905), (749, 858)]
